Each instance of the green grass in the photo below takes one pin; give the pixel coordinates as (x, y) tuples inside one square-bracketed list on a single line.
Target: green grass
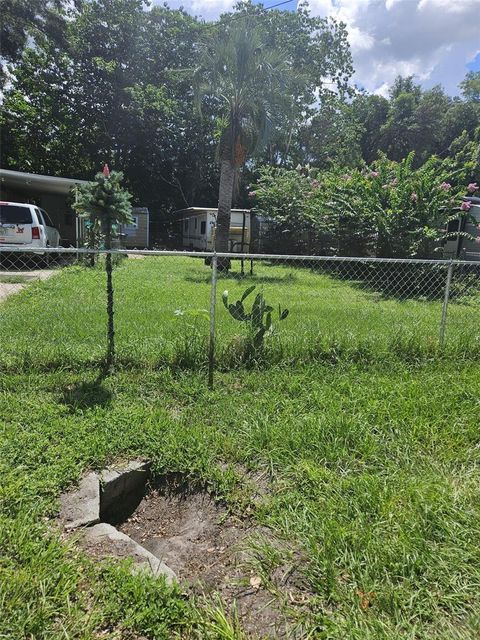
[(374, 463), (63, 321)]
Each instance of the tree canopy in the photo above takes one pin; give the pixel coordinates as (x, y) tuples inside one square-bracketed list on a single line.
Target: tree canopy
[(115, 81)]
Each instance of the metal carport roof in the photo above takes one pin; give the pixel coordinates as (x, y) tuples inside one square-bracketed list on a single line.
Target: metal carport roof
[(36, 182)]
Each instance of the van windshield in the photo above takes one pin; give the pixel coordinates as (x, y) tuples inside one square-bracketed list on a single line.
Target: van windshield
[(10, 214)]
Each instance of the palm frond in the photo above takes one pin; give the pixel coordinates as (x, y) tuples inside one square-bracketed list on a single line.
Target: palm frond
[(250, 77)]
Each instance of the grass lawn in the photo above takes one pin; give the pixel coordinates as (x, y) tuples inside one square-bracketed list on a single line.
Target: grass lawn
[(373, 458), (61, 323)]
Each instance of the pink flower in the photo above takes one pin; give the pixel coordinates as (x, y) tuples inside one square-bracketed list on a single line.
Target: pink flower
[(252, 194), (414, 197), (374, 174), (472, 187), (465, 206), (445, 186), (106, 171), (393, 183)]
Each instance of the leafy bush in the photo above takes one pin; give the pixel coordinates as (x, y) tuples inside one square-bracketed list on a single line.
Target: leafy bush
[(389, 209)]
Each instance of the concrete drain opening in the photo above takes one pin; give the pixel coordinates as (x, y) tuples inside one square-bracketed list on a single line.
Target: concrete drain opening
[(174, 528)]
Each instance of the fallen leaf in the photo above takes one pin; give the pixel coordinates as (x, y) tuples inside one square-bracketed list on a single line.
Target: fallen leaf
[(366, 599)]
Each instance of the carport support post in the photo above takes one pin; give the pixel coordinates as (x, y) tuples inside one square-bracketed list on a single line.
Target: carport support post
[(213, 304), (446, 297)]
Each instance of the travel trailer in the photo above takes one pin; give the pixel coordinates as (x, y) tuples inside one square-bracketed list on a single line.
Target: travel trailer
[(198, 229)]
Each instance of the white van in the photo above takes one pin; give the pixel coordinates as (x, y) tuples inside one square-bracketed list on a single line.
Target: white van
[(26, 225)]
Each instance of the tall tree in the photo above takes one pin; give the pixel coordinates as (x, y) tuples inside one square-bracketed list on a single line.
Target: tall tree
[(317, 49), (118, 91), (470, 86), (371, 112), (29, 19), (248, 77), (332, 135)]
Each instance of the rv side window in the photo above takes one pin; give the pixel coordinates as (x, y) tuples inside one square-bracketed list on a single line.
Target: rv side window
[(133, 224), (203, 227), (452, 226), (185, 225), (196, 222)]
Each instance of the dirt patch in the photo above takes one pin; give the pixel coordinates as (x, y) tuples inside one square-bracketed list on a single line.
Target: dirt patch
[(209, 550), (173, 526)]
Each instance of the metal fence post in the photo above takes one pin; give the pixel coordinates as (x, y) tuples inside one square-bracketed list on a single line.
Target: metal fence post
[(446, 297), (213, 304)]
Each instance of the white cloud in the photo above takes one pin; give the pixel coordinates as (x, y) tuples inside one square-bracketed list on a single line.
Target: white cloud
[(430, 39), (456, 6), (206, 9)]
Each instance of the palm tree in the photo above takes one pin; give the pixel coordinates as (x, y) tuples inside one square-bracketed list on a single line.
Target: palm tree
[(247, 78)]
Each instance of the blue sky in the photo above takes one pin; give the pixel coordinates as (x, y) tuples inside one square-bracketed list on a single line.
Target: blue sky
[(437, 41), (474, 65)]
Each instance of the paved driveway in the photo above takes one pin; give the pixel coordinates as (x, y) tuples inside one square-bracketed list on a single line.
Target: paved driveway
[(13, 281)]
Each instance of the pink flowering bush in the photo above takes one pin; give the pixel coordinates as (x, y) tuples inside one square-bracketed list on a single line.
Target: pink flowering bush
[(389, 209)]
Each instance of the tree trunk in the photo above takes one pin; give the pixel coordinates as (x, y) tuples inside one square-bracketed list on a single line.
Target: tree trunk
[(222, 232)]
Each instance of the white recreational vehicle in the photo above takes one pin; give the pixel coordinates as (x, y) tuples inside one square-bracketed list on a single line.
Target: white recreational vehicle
[(198, 229), (458, 246)]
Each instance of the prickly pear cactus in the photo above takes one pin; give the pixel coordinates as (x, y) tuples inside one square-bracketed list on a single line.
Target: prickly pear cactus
[(259, 318)]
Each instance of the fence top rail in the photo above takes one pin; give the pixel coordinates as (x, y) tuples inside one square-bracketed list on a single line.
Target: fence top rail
[(232, 256)]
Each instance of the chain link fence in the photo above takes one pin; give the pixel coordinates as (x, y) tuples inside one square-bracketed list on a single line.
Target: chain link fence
[(187, 310)]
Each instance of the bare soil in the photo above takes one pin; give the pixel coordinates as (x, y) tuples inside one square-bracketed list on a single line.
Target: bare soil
[(208, 550)]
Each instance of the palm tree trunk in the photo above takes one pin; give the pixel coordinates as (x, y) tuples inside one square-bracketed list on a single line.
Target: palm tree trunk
[(225, 193)]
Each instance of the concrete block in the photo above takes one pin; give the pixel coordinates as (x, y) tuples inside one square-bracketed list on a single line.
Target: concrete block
[(103, 540), (81, 507)]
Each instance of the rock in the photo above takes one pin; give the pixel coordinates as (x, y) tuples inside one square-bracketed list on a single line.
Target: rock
[(81, 507), (103, 540)]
